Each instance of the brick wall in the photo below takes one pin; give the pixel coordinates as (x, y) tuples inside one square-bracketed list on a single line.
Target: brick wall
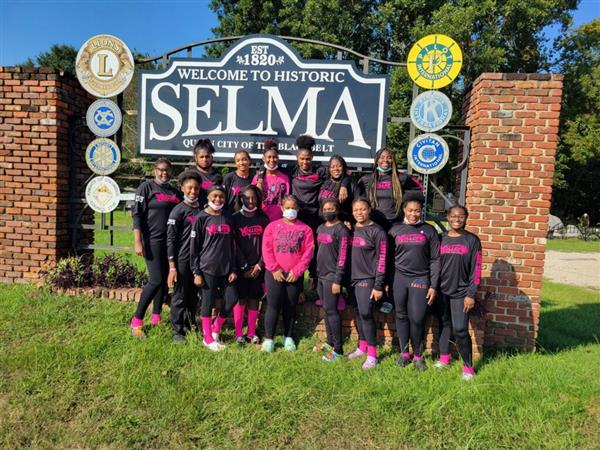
[(514, 122), (39, 109)]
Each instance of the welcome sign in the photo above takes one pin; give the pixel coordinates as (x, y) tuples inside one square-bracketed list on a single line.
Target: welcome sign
[(262, 89)]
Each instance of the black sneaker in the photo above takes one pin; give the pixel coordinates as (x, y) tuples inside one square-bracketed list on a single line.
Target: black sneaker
[(420, 365), (403, 361), (178, 338)]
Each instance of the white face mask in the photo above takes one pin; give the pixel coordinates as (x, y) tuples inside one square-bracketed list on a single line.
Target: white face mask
[(250, 210), (290, 213), (268, 167), (215, 207)]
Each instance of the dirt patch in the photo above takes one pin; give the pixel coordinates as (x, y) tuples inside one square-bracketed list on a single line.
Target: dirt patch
[(579, 269)]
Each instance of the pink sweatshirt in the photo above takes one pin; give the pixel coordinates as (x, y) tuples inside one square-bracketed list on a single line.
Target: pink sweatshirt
[(287, 247), (275, 187)]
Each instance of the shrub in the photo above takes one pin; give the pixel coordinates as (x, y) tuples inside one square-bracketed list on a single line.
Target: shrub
[(111, 271)]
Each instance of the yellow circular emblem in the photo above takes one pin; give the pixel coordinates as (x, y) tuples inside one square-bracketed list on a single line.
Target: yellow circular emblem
[(434, 61), (104, 66)]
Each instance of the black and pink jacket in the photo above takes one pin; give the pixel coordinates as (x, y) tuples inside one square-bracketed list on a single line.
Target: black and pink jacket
[(369, 253), (153, 204), (461, 265), (332, 254)]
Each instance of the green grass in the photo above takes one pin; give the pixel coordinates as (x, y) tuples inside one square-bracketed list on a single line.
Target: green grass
[(572, 245), (71, 376), (120, 238)]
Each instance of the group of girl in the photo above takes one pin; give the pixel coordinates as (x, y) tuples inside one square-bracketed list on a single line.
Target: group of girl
[(244, 237)]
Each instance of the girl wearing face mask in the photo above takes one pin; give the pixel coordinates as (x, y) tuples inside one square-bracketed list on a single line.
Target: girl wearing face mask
[(417, 262), (333, 240), (273, 183), (384, 188), (203, 156), (459, 280), (179, 228), (154, 200), (249, 223), (368, 267), (287, 249), (236, 180), (338, 171), (213, 263)]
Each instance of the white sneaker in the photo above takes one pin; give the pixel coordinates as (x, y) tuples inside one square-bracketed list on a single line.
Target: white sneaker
[(215, 336), (440, 365), (214, 346), (468, 376)]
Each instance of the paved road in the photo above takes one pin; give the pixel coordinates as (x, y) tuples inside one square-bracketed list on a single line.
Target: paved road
[(579, 269)]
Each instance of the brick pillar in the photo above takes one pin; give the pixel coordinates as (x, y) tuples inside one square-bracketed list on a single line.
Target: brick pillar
[(514, 122), (42, 120)]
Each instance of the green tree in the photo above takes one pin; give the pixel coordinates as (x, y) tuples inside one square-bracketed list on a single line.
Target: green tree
[(59, 57), (578, 155)]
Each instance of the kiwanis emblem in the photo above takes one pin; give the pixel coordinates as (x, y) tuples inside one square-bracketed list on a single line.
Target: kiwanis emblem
[(431, 111), (428, 153), (434, 61), (102, 194), (103, 156), (103, 118), (104, 66)]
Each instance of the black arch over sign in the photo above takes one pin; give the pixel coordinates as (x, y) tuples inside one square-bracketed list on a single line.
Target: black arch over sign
[(259, 89)]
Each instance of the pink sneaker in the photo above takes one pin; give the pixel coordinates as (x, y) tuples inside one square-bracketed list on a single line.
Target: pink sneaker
[(155, 319)]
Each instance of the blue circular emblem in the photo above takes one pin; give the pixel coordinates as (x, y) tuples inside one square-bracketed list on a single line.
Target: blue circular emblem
[(428, 153), (103, 156), (431, 111), (104, 118)]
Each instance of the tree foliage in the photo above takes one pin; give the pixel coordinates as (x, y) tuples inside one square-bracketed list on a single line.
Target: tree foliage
[(578, 156)]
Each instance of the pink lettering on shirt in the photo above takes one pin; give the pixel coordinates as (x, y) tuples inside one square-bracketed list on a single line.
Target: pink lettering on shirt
[(218, 229), (324, 238), (415, 238), (358, 241), (454, 249), (170, 198), (254, 230)]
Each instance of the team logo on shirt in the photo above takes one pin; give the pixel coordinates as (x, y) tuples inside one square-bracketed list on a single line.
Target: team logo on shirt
[(254, 230), (324, 238), (104, 66), (454, 249), (103, 118), (431, 111), (411, 238), (218, 229), (384, 185), (168, 198), (358, 241)]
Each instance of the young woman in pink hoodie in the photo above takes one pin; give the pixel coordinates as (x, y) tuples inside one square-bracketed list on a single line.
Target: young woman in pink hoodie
[(287, 249)]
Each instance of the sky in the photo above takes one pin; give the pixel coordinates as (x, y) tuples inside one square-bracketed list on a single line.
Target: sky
[(29, 27)]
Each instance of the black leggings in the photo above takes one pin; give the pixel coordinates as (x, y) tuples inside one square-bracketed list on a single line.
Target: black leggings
[(281, 296), (184, 301), (410, 299), (155, 255), (453, 318), (365, 323), (333, 321), (210, 291)]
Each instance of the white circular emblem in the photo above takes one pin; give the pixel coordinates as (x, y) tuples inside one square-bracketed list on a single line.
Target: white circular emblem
[(428, 153), (104, 66), (103, 156), (104, 118), (431, 111), (102, 194)]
